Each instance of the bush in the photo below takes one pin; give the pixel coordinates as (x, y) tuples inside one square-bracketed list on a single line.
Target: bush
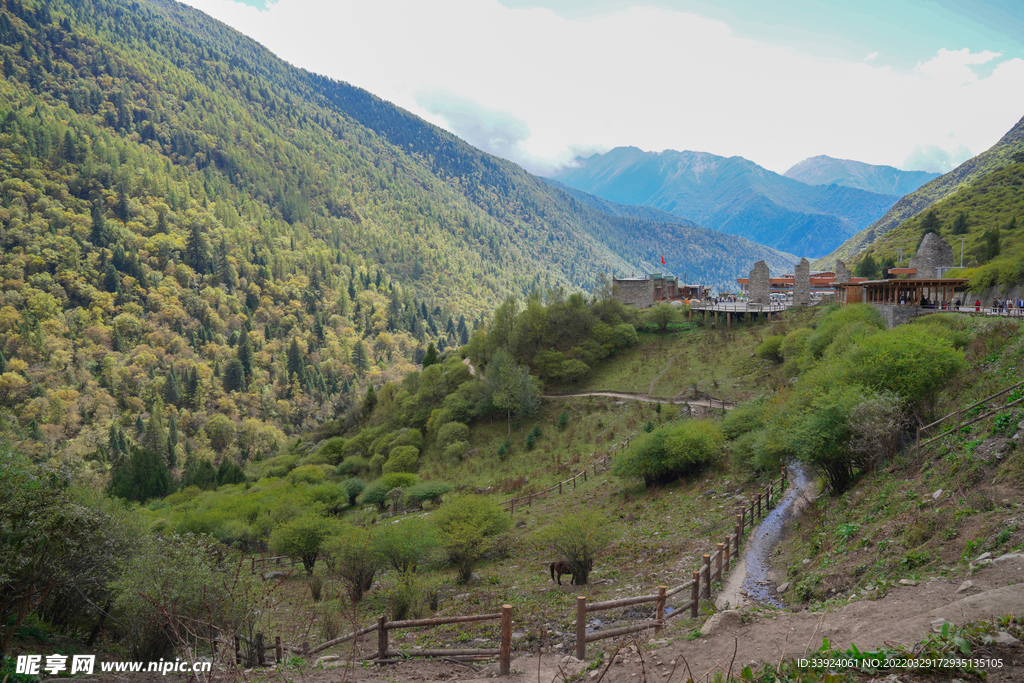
[(661, 316), (402, 459), (456, 450), (907, 360), (352, 489), (428, 490), (464, 527), (353, 556), (398, 480), (450, 433), (412, 596), (307, 474), (352, 466), (578, 539), (303, 536), (376, 494), (333, 450), (770, 348), (404, 544), (178, 587), (671, 452), (563, 420)]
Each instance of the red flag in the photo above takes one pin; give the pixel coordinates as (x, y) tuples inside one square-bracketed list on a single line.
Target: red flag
[(662, 259)]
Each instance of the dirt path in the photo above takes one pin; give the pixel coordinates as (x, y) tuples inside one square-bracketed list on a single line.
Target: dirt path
[(707, 403), (650, 389), (903, 614)]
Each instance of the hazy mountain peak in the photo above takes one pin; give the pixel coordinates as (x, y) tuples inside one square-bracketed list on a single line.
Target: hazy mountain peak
[(826, 170)]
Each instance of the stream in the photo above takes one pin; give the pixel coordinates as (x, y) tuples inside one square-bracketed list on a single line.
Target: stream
[(761, 545)]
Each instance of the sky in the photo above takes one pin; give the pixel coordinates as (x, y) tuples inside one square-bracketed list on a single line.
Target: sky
[(915, 84)]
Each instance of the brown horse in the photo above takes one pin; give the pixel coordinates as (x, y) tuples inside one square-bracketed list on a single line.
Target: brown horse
[(560, 568)]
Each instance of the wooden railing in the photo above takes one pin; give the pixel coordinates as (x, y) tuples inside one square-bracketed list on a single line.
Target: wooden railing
[(278, 561), (958, 415), (713, 566)]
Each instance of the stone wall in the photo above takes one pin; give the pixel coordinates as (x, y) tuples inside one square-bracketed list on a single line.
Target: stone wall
[(843, 273), (634, 291), (802, 283), (760, 284), (932, 254), (894, 314)]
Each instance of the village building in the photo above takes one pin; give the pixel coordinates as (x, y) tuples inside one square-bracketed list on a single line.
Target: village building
[(909, 292), (644, 292), (811, 286)]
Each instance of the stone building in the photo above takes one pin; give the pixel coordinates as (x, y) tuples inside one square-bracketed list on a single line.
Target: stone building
[(644, 292), (843, 273), (760, 284), (932, 255), (802, 283)]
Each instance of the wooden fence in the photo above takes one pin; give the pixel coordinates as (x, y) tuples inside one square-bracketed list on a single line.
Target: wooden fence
[(713, 566), (278, 561), (958, 415)]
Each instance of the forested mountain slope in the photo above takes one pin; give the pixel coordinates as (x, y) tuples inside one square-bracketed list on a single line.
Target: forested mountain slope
[(201, 240), (1004, 152), (732, 195)]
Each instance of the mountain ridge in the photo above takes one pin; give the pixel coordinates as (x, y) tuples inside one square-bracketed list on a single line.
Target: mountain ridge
[(731, 194), (826, 170)]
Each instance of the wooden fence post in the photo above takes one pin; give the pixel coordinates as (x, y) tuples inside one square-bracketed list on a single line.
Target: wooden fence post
[(659, 612), (584, 474), (238, 650), (695, 595), (260, 659), (254, 565), (718, 561), (581, 627), (705, 588), (559, 488), (759, 505), (726, 561), (278, 650), (739, 533), (505, 653), (512, 506), (382, 638)]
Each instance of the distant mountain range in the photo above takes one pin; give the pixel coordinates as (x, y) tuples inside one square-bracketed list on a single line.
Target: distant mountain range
[(733, 195), (1008, 150), (823, 170)]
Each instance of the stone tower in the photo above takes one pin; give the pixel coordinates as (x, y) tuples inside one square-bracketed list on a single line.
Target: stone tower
[(760, 284), (842, 273), (802, 283), (931, 255)]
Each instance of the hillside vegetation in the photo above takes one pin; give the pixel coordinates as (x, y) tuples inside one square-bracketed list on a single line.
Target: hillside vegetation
[(1006, 151), (200, 239)]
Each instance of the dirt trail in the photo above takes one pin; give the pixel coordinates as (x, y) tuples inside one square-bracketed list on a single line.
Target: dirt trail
[(707, 403), (904, 614)]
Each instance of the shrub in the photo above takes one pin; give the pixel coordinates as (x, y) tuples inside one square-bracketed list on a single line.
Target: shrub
[(563, 419), (303, 536), (578, 539), (398, 480), (769, 349), (307, 474), (670, 452), (464, 527), (333, 450), (376, 494), (573, 370), (450, 433), (352, 489), (352, 555), (661, 316), (402, 459), (428, 490), (352, 466), (404, 544), (175, 587), (456, 450), (412, 596)]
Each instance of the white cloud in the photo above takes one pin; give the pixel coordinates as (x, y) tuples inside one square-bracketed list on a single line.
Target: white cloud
[(542, 87)]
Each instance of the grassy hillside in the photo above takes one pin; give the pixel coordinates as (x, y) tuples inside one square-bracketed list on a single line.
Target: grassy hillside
[(1004, 152), (986, 213)]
